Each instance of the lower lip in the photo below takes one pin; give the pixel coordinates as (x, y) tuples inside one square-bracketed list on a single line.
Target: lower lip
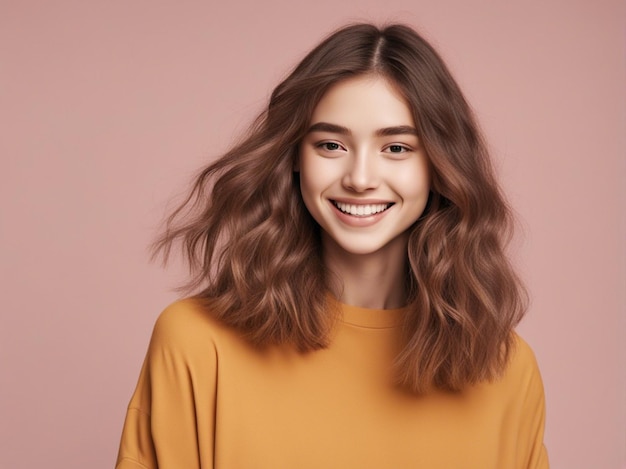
[(359, 221)]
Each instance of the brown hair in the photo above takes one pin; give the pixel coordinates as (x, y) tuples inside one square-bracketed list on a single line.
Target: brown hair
[(255, 251)]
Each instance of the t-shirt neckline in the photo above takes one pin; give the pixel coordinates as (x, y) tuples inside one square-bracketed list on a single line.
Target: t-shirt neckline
[(371, 317)]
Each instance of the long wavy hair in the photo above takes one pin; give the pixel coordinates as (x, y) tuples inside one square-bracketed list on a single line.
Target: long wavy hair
[(255, 252)]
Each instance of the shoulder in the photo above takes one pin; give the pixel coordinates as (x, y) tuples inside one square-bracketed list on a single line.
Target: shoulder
[(522, 361), (522, 378), (182, 316), (187, 326)]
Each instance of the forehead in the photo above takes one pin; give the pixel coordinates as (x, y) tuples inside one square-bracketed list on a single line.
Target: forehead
[(363, 102)]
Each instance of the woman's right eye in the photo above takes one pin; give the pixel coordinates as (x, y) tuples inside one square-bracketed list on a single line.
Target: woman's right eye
[(330, 146)]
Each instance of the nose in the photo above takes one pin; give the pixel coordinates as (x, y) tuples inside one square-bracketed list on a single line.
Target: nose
[(361, 173)]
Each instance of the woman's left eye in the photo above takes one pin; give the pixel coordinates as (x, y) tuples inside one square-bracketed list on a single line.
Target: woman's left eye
[(397, 149)]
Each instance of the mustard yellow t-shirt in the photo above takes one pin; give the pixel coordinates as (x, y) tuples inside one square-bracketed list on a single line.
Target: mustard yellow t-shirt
[(207, 399)]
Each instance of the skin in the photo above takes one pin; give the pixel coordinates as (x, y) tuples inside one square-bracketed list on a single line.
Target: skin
[(362, 156)]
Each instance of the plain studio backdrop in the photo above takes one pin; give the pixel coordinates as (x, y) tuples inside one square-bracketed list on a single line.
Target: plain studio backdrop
[(107, 108)]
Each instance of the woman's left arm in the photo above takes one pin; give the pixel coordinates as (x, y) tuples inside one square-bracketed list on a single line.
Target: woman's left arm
[(533, 415)]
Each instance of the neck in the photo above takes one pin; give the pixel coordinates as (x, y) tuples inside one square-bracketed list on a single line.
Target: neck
[(374, 280)]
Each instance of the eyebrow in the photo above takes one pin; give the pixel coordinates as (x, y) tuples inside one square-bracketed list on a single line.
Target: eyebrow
[(385, 132)]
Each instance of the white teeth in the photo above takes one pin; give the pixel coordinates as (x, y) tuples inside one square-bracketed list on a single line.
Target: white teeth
[(361, 210)]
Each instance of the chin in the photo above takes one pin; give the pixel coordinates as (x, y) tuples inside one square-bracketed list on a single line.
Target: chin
[(369, 247)]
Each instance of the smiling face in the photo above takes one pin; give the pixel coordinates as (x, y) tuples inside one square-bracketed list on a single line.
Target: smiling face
[(363, 174)]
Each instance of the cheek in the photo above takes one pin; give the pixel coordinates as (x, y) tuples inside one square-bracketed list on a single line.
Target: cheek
[(310, 198), (308, 184), (413, 183), (317, 178), (316, 175)]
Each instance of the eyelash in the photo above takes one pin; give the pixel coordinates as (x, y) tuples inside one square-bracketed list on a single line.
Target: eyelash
[(324, 146), (403, 148)]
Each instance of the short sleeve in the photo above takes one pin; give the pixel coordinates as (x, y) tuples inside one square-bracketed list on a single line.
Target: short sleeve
[(170, 418)]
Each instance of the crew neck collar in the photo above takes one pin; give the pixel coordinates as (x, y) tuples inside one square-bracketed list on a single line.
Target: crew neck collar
[(370, 317)]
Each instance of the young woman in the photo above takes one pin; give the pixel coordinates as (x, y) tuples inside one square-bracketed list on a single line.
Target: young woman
[(354, 306)]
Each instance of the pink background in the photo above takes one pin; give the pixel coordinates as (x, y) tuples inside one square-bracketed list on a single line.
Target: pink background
[(108, 107)]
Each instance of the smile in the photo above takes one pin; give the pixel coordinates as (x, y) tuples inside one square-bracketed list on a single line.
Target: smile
[(361, 210)]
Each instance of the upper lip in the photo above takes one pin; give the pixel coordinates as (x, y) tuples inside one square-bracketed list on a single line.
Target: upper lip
[(352, 201)]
